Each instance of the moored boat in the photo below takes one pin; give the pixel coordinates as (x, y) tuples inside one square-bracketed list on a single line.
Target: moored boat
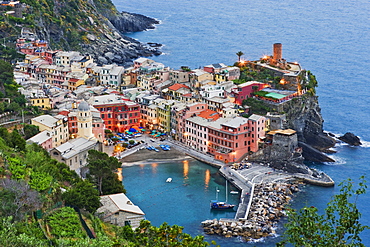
[(221, 205), (216, 204)]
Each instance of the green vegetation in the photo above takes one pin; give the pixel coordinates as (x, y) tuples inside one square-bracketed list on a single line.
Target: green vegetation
[(30, 181), (239, 54), (257, 106), (68, 21), (9, 90), (64, 223), (338, 226), (102, 167), (165, 235), (10, 55)]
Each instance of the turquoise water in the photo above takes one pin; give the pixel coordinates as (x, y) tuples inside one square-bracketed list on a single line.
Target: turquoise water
[(330, 38), (186, 200)]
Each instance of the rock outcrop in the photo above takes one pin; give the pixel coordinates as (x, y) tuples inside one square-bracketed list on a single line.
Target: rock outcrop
[(304, 115), (94, 27), (350, 139)]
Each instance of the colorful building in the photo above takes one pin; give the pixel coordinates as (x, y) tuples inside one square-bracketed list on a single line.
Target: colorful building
[(118, 113), (231, 139), (246, 90)]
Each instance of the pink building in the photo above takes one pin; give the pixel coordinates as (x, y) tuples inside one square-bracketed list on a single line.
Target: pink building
[(181, 115), (245, 90), (44, 139), (196, 135), (231, 139)]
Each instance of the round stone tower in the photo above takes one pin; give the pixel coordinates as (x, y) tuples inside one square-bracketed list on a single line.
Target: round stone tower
[(84, 120), (278, 51)]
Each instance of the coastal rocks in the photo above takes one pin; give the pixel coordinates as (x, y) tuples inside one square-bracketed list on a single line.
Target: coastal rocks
[(350, 139), (312, 154), (304, 116), (268, 203)]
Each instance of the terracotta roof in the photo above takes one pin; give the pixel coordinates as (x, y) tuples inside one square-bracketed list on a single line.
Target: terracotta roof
[(209, 114), (177, 86), (64, 113)]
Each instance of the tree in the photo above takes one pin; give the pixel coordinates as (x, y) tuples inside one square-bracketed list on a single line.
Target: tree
[(112, 185), (338, 226), (101, 166), (83, 195), (30, 130), (164, 235), (239, 54), (17, 199), (17, 141)]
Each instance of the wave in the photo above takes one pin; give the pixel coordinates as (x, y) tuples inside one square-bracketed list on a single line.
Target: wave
[(338, 160), (365, 144)]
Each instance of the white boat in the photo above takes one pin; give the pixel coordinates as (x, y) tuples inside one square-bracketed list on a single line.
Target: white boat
[(234, 192), (169, 180)]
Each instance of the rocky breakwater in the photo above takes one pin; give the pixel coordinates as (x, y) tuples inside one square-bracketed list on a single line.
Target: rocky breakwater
[(268, 204)]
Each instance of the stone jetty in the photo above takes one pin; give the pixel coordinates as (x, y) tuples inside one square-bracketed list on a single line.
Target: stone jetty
[(268, 204)]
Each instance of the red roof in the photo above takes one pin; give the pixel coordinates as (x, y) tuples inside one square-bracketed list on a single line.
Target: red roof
[(73, 80), (209, 114), (177, 86), (64, 113)]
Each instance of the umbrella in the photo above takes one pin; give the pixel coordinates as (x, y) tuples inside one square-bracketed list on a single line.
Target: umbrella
[(132, 130), (142, 129), (129, 132)]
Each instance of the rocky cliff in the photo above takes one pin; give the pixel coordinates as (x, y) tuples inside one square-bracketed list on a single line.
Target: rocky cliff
[(89, 26), (303, 114)]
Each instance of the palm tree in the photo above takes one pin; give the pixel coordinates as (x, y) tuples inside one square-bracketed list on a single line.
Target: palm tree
[(239, 54)]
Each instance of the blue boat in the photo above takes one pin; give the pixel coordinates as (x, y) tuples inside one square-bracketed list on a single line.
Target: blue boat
[(221, 205), (216, 204), (165, 147)]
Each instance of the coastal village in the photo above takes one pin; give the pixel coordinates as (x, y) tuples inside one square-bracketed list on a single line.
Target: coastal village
[(201, 112)]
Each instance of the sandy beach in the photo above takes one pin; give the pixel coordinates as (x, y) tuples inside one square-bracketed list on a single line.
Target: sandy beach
[(145, 156)]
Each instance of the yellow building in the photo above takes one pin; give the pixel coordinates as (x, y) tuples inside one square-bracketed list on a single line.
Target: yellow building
[(57, 126), (164, 115), (44, 103)]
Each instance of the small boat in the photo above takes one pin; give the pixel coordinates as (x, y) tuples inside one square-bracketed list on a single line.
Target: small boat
[(168, 180), (216, 204), (234, 192), (221, 205)]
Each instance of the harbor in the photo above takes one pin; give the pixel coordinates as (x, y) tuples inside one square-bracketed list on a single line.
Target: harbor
[(263, 191)]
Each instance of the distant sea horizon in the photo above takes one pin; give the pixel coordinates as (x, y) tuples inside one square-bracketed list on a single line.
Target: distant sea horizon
[(329, 38)]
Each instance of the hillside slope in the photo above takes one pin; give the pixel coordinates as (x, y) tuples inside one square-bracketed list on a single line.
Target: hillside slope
[(89, 26)]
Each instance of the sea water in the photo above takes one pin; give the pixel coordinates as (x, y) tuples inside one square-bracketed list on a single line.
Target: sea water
[(329, 38)]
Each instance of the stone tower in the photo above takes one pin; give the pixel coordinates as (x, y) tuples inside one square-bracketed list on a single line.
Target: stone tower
[(278, 51), (84, 121)]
